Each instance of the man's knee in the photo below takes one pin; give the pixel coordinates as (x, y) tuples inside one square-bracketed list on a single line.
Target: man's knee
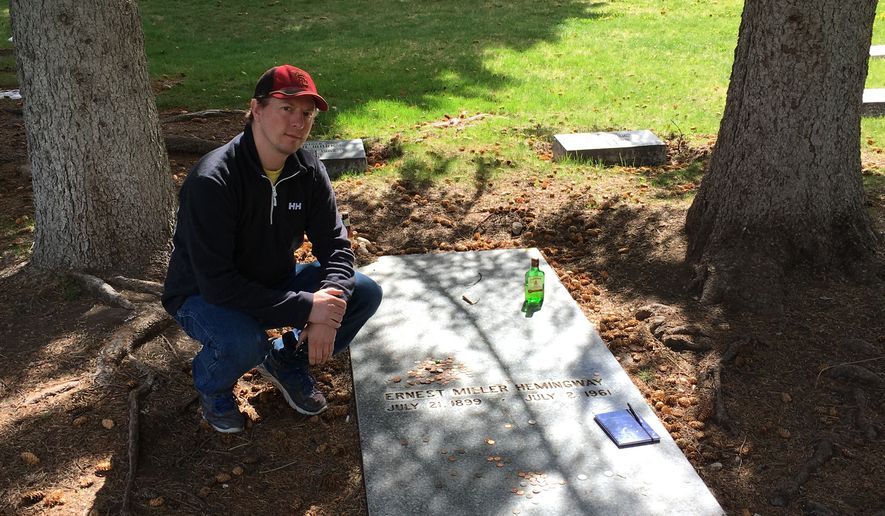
[(229, 336), (367, 293)]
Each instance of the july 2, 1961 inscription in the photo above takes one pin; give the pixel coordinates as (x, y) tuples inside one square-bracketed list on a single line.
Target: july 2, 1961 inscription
[(535, 391)]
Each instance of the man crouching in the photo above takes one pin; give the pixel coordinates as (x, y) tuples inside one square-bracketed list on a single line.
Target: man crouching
[(243, 210)]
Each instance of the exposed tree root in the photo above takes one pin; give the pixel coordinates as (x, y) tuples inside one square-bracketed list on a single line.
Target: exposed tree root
[(134, 397), (855, 374), (178, 361), (209, 113), (818, 509), (137, 285), (714, 378), (823, 451), (678, 337), (735, 347), (720, 414), (102, 290), (147, 324), (742, 280), (860, 418), (52, 391), (683, 342), (189, 144)]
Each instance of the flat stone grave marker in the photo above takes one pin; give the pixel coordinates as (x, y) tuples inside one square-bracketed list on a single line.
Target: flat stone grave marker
[(340, 156), (877, 51), (468, 405), (10, 94), (873, 102), (615, 148)]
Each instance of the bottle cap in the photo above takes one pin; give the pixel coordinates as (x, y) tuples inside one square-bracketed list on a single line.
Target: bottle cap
[(535, 262)]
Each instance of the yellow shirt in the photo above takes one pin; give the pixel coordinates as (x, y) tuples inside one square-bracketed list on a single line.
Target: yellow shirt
[(273, 175)]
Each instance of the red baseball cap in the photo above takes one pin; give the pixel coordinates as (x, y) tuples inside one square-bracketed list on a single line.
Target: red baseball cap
[(286, 82)]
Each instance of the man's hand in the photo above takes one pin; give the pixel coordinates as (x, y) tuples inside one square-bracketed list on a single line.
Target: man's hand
[(328, 308), (320, 342)]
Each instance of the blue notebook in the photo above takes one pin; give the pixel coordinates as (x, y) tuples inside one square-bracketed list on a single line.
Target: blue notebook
[(625, 428)]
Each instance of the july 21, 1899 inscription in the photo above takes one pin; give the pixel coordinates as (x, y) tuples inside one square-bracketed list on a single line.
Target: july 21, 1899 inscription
[(548, 390), (479, 409)]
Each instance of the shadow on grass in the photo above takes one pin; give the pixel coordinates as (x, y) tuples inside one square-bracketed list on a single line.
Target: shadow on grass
[(420, 173), (680, 183), (408, 53)]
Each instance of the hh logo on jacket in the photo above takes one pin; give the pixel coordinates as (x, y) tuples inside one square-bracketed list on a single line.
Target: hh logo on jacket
[(294, 206)]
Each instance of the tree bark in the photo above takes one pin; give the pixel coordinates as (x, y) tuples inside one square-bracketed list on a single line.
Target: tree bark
[(784, 184), (102, 192)]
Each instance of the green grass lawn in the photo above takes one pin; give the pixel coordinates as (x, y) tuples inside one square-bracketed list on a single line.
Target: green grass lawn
[(874, 128), (386, 66), (7, 61), (566, 65), (537, 68)]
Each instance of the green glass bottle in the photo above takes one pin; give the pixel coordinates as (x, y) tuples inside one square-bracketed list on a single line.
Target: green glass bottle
[(534, 284)]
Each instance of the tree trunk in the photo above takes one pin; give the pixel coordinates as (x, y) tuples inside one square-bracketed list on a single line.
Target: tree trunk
[(102, 192), (784, 185)]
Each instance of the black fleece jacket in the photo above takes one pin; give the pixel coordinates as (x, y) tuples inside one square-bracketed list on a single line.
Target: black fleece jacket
[(236, 234)]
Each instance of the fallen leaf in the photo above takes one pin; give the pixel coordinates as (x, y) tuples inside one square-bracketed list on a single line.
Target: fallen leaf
[(107, 423)]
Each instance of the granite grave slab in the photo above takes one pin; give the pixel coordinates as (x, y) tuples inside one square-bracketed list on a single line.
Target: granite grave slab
[(873, 102), (468, 405), (615, 148), (339, 156)]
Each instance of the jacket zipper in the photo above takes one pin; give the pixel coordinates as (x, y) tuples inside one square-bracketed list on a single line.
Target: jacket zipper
[(273, 192)]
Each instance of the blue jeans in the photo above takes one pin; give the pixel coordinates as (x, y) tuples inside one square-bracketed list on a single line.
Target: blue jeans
[(234, 342)]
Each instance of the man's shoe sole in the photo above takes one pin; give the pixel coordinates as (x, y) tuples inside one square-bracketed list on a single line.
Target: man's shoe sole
[(285, 393), (224, 430)]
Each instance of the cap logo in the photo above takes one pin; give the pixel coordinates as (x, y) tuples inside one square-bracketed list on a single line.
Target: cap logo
[(301, 80)]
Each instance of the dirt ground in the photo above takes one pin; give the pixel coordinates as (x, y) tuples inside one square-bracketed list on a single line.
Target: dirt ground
[(786, 409)]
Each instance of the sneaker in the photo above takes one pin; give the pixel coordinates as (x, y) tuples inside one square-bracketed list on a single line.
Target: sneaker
[(296, 384), (222, 413)]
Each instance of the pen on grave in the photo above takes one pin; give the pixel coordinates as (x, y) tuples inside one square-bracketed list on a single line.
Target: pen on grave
[(636, 417)]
